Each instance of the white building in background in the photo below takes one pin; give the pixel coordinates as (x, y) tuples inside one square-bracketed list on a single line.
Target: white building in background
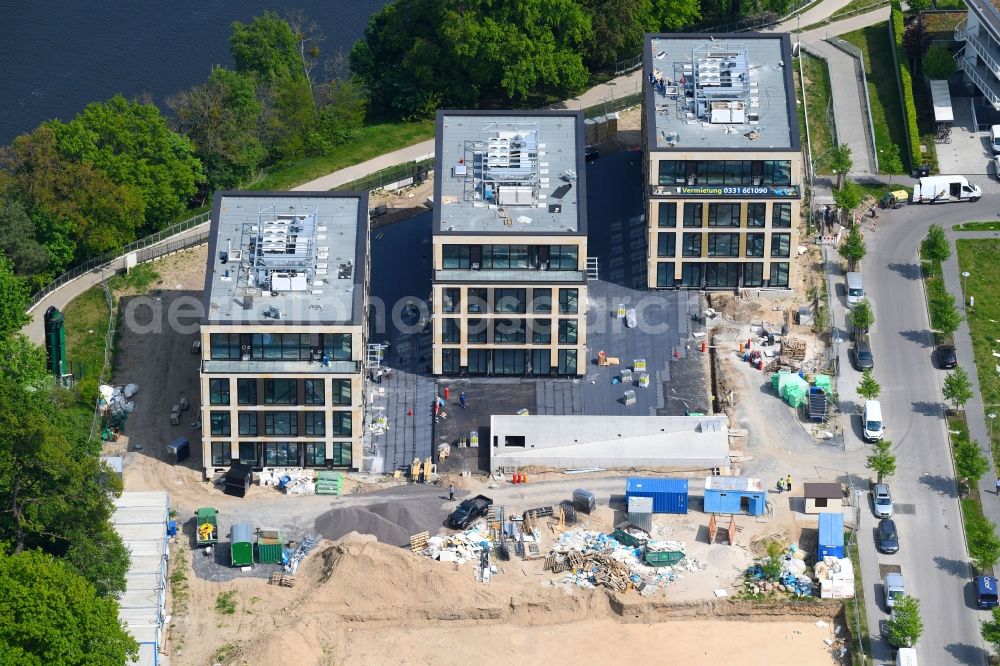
[(980, 58)]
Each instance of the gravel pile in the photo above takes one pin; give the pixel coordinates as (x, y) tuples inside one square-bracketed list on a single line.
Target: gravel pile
[(390, 523)]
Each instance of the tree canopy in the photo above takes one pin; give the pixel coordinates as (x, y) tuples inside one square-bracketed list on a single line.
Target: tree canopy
[(14, 299), (420, 55), (881, 460), (935, 245), (957, 387), (853, 248), (905, 625), (131, 143), (267, 48), (51, 615), (868, 387)]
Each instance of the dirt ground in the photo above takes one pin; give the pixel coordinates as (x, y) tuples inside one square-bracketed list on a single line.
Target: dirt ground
[(360, 602)]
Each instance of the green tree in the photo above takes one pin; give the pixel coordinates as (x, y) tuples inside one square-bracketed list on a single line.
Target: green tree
[(841, 163), (267, 48), (919, 5), (53, 492), (307, 40), (938, 63), (131, 143), (19, 240), (421, 55), (22, 361), (618, 27), (54, 616), (771, 565), (980, 532), (868, 388), (292, 120), (890, 161), (970, 463), (881, 461), (991, 630), (862, 315), (221, 117), (945, 316), (14, 298), (674, 15), (935, 247), (342, 113), (905, 625), (853, 249), (957, 387)]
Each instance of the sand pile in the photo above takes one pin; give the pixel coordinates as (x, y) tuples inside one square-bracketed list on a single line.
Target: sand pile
[(390, 523)]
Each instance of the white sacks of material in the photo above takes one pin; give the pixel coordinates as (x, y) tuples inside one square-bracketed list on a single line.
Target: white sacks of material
[(131, 390)]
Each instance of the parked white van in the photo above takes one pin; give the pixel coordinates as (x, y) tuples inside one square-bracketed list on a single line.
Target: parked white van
[(871, 422), (995, 139), (855, 289), (940, 189), (906, 656)]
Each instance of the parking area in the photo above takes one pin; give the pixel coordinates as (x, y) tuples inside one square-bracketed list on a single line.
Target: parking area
[(969, 152)]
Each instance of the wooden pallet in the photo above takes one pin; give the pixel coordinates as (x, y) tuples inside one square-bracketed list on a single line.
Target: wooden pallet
[(284, 580), (418, 542)]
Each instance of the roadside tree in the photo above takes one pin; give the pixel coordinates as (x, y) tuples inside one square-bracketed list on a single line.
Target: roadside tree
[(945, 317), (841, 162), (868, 388), (938, 63), (991, 630), (54, 616), (970, 463), (980, 532), (853, 249), (957, 387), (862, 315), (935, 247), (890, 161), (905, 625), (848, 197), (881, 461)]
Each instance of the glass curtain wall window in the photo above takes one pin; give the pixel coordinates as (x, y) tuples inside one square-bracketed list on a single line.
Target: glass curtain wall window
[(569, 301), (477, 299), (248, 423), (779, 274), (314, 454), (723, 245), (315, 391), (692, 245), (665, 274), (756, 213), (451, 300), (246, 391), (280, 392), (450, 330), (510, 300), (342, 454), (541, 331), (781, 215), (222, 453), (692, 214), (568, 331), (666, 214), (508, 331), (281, 423), (218, 391), (341, 424), (220, 423), (723, 214), (781, 245), (476, 330), (541, 301), (451, 360), (755, 245), (666, 244), (281, 454)]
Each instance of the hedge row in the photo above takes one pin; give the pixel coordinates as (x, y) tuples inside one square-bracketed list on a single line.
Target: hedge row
[(905, 82)]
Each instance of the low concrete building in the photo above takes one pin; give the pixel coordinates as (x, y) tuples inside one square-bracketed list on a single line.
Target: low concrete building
[(676, 442), (735, 494), (822, 497)]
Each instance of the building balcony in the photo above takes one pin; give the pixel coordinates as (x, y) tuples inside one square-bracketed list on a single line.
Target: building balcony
[(960, 30), (263, 368), (985, 48), (508, 275), (983, 79), (725, 191)]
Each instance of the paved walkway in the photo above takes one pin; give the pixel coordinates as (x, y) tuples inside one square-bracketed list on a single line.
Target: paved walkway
[(975, 411), (849, 106)]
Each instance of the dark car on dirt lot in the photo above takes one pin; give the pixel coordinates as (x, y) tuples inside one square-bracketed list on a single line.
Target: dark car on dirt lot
[(468, 511), (887, 538), (946, 357)]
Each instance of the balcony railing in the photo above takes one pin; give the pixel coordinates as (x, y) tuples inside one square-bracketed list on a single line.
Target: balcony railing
[(986, 83), (960, 30), (982, 48)]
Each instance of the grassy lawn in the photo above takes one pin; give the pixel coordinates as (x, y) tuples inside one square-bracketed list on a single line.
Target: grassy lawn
[(979, 259), (978, 226), (949, 4), (817, 97), (372, 141), (882, 89), (86, 326), (942, 25)]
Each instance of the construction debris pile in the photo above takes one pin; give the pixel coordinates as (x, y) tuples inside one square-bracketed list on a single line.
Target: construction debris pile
[(619, 561), (291, 480), (115, 404), (308, 543), (790, 577), (458, 548), (836, 578)]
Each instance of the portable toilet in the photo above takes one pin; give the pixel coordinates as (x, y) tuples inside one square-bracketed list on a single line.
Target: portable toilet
[(241, 545), (831, 535), (669, 495)]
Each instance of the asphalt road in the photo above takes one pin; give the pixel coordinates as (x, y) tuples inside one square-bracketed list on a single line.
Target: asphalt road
[(932, 555)]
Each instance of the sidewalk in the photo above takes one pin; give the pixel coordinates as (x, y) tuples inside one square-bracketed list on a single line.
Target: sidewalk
[(975, 412)]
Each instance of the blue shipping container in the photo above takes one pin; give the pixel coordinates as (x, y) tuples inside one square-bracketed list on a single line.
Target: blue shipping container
[(831, 535), (669, 495)]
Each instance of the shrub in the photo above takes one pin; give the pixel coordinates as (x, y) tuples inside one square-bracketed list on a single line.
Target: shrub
[(905, 83), (938, 63)]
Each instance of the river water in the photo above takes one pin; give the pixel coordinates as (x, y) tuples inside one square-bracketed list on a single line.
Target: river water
[(56, 56)]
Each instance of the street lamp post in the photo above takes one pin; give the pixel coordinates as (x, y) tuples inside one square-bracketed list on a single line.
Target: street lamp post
[(965, 280)]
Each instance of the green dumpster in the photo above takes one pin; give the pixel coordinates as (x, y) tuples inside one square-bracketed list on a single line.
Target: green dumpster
[(270, 546), (625, 539), (241, 545), (662, 558)]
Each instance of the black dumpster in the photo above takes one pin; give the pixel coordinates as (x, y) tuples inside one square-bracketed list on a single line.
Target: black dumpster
[(237, 481), (178, 450)]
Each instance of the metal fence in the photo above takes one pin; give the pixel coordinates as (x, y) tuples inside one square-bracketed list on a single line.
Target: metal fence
[(417, 170), (613, 104), (108, 257)]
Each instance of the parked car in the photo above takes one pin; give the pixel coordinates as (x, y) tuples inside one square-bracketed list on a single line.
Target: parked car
[(862, 354), (893, 587), (468, 511), (947, 358), (887, 538), (882, 500)]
